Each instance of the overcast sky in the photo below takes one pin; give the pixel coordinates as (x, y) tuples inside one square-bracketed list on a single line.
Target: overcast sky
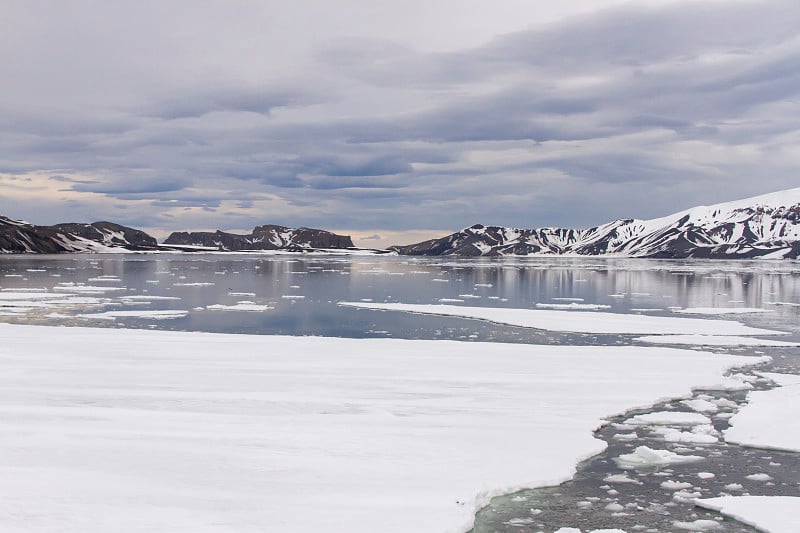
[(392, 121)]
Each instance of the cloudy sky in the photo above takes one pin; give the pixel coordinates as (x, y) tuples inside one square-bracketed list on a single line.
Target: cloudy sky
[(392, 121)]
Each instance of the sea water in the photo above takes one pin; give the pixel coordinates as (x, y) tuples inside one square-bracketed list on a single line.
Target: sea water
[(299, 295)]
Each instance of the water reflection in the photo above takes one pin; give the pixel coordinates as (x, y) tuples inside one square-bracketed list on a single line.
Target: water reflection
[(297, 295)]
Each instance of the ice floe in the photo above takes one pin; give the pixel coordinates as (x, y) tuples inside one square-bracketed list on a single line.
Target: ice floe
[(152, 313), (719, 310), (646, 457), (579, 322), (668, 418), (574, 306), (240, 306), (774, 514), (762, 422), (713, 340), (127, 430)]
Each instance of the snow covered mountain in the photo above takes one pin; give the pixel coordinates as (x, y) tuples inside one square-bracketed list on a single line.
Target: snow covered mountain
[(763, 226), (21, 237), (268, 237)]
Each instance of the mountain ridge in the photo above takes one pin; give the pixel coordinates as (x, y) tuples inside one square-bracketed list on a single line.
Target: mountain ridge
[(266, 237), (767, 225)]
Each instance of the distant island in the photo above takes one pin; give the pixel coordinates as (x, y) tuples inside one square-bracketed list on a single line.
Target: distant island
[(766, 226)]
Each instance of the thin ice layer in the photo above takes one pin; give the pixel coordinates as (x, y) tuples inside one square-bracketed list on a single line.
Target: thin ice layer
[(133, 430), (577, 322), (770, 418), (714, 340), (774, 514)]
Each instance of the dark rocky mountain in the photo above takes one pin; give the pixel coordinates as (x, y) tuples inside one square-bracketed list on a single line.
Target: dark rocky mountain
[(764, 226), (22, 237), (268, 237)]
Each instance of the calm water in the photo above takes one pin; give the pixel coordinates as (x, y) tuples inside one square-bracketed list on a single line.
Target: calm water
[(302, 292), (298, 295)]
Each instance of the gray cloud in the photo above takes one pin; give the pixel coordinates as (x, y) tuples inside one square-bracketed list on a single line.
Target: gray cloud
[(574, 122)]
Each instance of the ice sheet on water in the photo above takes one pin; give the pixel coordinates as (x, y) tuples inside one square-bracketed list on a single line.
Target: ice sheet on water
[(762, 422), (154, 314), (776, 514), (573, 321), (573, 306), (240, 306), (720, 310), (713, 340), (352, 428)]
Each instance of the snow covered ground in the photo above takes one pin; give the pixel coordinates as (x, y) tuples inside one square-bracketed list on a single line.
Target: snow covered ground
[(132, 430)]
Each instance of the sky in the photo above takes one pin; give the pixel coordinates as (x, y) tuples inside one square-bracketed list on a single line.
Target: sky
[(393, 122)]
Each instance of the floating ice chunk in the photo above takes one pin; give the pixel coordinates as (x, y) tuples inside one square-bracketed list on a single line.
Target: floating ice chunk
[(28, 294), (614, 507), (698, 525), (706, 475), (759, 477), (685, 496), (762, 422), (668, 418), (568, 530), (91, 289), (450, 300), (574, 306), (293, 296), (776, 514), (788, 304), (643, 457), (154, 314), (251, 294), (702, 406), (731, 383), (519, 522), (720, 310), (625, 436), (621, 478), (724, 403), (195, 284), (239, 306), (675, 485), (686, 437), (713, 340), (733, 486), (148, 298)]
